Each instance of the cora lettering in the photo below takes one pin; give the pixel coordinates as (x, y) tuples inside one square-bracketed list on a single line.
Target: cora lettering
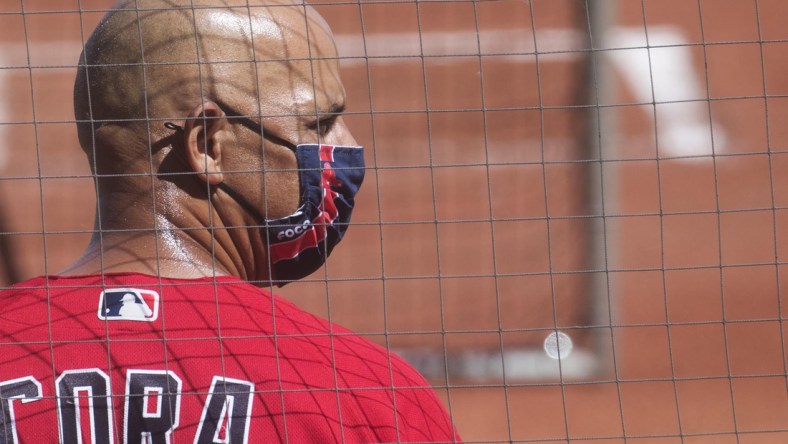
[(151, 410), (293, 232)]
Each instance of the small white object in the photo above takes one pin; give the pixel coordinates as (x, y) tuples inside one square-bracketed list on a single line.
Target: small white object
[(558, 345)]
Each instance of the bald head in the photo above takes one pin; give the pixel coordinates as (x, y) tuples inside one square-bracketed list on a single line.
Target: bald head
[(150, 61), (190, 111)]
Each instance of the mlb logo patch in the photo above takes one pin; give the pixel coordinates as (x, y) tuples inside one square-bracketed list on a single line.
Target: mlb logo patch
[(128, 304)]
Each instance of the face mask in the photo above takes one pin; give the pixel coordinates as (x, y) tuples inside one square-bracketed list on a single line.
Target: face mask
[(329, 177), (300, 243)]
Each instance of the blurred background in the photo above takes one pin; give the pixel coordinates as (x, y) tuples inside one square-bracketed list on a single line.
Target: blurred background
[(615, 171)]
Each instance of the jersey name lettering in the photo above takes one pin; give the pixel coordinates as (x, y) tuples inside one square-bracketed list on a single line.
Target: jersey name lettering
[(25, 389), (77, 389), (151, 410)]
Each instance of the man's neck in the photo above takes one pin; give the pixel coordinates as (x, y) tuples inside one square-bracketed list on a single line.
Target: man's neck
[(159, 253), (165, 249)]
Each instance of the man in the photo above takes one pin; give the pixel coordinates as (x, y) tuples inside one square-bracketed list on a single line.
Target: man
[(220, 155)]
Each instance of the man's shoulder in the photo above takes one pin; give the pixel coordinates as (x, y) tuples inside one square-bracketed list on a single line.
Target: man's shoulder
[(356, 360)]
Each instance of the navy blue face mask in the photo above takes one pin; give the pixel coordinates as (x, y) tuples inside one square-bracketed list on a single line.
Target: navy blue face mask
[(329, 178), (300, 243)]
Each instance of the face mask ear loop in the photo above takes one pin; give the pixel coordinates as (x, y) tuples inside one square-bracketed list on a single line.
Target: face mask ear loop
[(174, 127)]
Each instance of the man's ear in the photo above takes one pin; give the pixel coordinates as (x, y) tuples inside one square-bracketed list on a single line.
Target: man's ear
[(203, 135)]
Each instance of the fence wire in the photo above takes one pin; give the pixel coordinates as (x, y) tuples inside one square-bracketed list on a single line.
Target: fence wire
[(573, 216)]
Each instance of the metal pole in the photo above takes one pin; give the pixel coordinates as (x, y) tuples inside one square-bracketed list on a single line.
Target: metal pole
[(602, 145)]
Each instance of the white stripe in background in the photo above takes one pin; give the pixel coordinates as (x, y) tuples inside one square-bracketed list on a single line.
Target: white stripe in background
[(668, 74), (512, 44)]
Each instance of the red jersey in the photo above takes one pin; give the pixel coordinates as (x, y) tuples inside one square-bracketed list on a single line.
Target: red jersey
[(137, 359)]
